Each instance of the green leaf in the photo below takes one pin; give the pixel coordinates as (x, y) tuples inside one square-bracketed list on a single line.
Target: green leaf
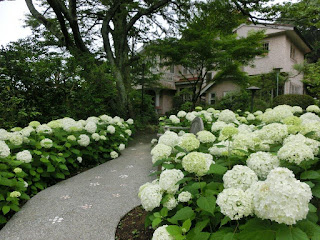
[(201, 236), (15, 207), (24, 196), (157, 215), (37, 152), (186, 225), (39, 185), (225, 220), (5, 209), (217, 169), (64, 167), (201, 225), (207, 203), (1, 197), (51, 168), (44, 160), (174, 230), (257, 229), (60, 175), (156, 222), (75, 151), (316, 191), (40, 170), (2, 219), (310, 175), (68, 145), (32, 172), (182, 214), (311, 229), (312, 208), (164, 212), (222, 234)]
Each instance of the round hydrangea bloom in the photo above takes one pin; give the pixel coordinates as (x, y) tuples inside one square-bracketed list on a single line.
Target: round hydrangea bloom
[(210, 110), (251, 117), (154, 141), (235, 203), (179, 156), (103, 138), (34, 124), (227, 116), (168, 180), (299, 138), (227, 132), (26, 131), (84, 140), (295, 152), (257, 113), (24, 156), (190, 116), (55, 124), (128, 131), (17, 170), (130, 121), (244, 141), (169, 138), (161, 233), (292, 121), (44, 128), (243, 128), (121, 147), (15, 194), (4, 135), (184, 196), (95, 136), (160, 151), (262, 163), (311, 126), (274, 132), (217, 126), (79, 159), (277, 114), (308, 117), (150, 195), (206, 137), (114, 154), (181, 114), (197, 162), (174, 119), (189, 142), (46, 143), (111, 129), (4, 150), (91, 127), (239, 176), (221, 148), (70, 125), (281, 198), (297, 109), (16, 138), (313, 108), (71, 138), (171, 203), (242, 119)]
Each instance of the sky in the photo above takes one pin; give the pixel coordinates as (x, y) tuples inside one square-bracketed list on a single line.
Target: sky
[(12, 20)]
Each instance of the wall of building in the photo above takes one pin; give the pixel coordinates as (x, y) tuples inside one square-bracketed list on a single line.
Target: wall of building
[(220, 89), (166, 101)]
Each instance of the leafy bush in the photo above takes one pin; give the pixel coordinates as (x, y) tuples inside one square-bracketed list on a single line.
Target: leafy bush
[(38, 156), (255, 176), (235, 101), (294, 100)]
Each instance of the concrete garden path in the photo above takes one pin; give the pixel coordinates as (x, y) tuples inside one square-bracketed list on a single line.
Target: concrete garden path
[(87, 206)]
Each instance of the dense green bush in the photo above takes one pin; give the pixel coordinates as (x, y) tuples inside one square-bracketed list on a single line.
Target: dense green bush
[(294, 100), (235, 101), (38, 156)]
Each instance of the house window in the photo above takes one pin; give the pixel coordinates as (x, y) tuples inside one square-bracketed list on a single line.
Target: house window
[(265, 47), (292, 52), (212, 99)]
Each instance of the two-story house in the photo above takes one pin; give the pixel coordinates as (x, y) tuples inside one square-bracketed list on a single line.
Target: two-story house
[(285, 47)]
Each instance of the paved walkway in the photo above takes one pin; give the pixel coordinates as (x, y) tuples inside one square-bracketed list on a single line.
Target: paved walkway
[(87, 206)]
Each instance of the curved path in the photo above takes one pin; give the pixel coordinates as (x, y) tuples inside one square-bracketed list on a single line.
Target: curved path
[(89, 205)]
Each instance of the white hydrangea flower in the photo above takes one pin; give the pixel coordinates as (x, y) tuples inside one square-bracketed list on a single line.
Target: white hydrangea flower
[(262, 163), (281, 198), (4, 149), (277, 114), (150, 195), (235, 203), (111, 129), (160, 151), (313, 108), (24, 156), (70, 125), (206, 137), (169, 178), (181, 133), (71, 138), (169, 138), (103, 138), (84, 140), (311, 126), (46, 143), (210, 110), (95, 136), (106, 118), (190, 116), (121, 147), (184, 196), (55, 124), (295, 152), (16, 138), (171, 203), (154, 141), (239, 176), (242, 119), (219, 125), (221, 148), (4, 135), (79, 159), (257, 113), (181, 114), (91, 127), (174, 119), (274, 132), (128, 131), (197, 162), (244, 141), (34, 124), (161, 233), (309, 117), (25, 132), (299, 138), (227, 116), (189, 142), (297, 109), (179, 157), (251, 117), (114, 154)]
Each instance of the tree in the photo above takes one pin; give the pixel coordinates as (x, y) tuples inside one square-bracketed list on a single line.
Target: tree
[(311, 78), (121, 24), (209, 44)]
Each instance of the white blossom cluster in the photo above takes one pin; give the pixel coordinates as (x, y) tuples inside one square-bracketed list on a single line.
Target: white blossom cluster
[(189, 142), (221, 148), (4, 149), (262, 163), (295, 152), (184, 196), (24, 156), (84, 140), (44, 128), (91, 127), (206, 137), (313, 108), (161, 233), (169, 138), (276, 114), (46, 143), (227, 116), (274, 132), (168, 180), (174, 119), (181, 114), (239, 177), (160, 151), (197, 162), (150, 195), (190, 116), (171, 202)]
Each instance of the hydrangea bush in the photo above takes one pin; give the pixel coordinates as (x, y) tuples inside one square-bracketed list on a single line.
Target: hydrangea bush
[(249, 176), (39, 155)]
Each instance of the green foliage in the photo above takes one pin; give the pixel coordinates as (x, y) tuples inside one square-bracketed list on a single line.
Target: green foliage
[(294, 100), (235, 101), (311, 77)]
